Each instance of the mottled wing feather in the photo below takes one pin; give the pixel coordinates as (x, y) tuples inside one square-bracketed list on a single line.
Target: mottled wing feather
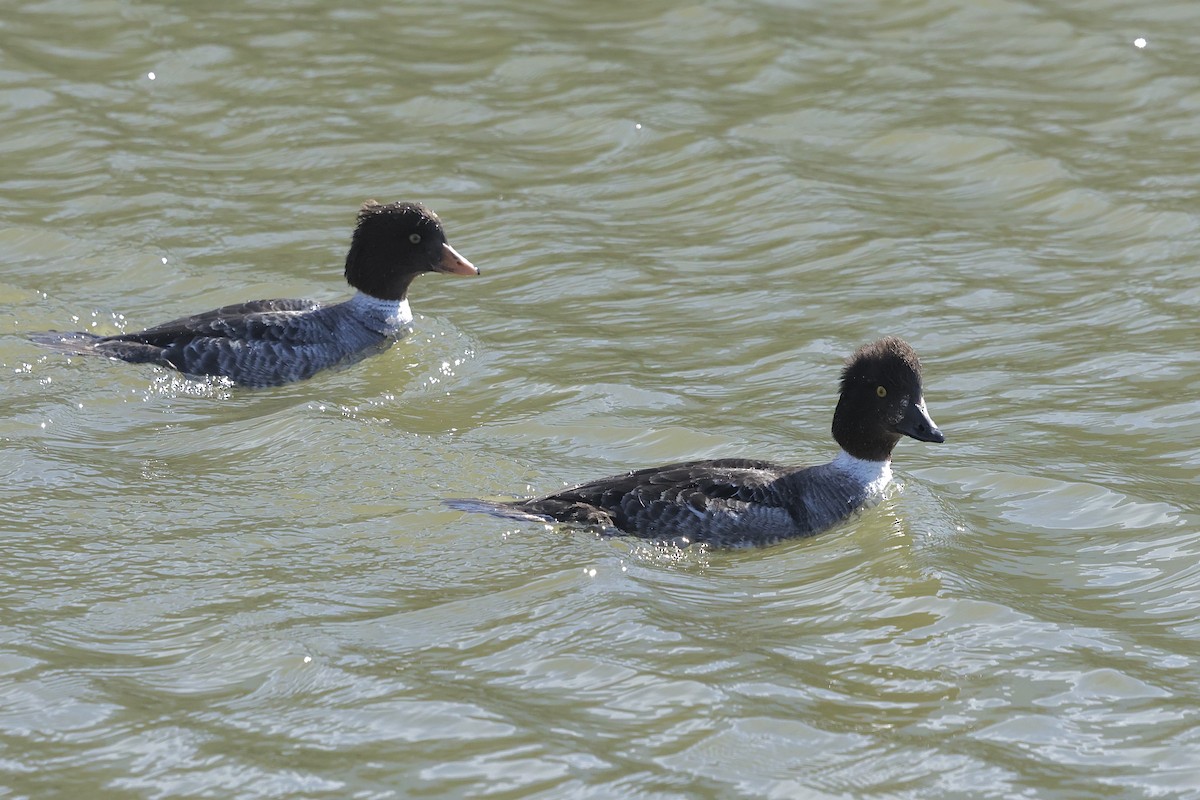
[(263, 342), (265, 320), (737, 478), (703, 500)]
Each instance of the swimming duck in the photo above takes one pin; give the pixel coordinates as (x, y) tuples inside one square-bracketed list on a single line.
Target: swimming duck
[(273, 342), (734, 502)]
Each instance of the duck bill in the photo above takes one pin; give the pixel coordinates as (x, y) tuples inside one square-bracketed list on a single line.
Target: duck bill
[(452, 263), (917, 423)]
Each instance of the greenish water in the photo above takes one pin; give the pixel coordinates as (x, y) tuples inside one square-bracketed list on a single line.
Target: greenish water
[(686, 215)]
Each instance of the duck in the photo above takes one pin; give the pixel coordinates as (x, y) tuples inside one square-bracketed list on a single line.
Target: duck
[(735, 502), (264, 343)]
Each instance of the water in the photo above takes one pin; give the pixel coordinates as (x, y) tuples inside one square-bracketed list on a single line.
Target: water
[(686, 216)]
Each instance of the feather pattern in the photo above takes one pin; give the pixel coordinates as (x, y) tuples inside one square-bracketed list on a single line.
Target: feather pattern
[(725, 502), (260, 343)]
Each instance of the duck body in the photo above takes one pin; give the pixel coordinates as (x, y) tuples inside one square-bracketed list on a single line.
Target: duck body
[(728, 502), (740, 502), (257, 344), (272, 342)]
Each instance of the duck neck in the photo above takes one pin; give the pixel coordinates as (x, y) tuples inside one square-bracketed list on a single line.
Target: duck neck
[(384, 316), (872, 475), (377, 278)]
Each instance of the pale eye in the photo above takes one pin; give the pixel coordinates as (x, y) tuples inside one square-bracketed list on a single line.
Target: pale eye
[(881, 391), (415, 238)]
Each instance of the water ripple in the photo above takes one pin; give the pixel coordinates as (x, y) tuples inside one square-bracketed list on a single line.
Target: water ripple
[(686, 217)]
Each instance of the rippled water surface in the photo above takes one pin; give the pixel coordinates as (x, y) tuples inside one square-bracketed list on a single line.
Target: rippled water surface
[(687, 215)]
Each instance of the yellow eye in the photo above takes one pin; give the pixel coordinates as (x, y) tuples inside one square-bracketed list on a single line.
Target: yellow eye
[(882, 392)]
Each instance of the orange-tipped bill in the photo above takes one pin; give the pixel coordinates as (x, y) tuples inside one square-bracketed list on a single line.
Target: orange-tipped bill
[(454, 264)]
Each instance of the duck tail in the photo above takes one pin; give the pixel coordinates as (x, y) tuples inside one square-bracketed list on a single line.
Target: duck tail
[(74, 343), (496, 509)]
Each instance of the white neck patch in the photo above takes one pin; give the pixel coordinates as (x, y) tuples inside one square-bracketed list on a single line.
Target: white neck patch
[(385, 316), (874, 476)]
